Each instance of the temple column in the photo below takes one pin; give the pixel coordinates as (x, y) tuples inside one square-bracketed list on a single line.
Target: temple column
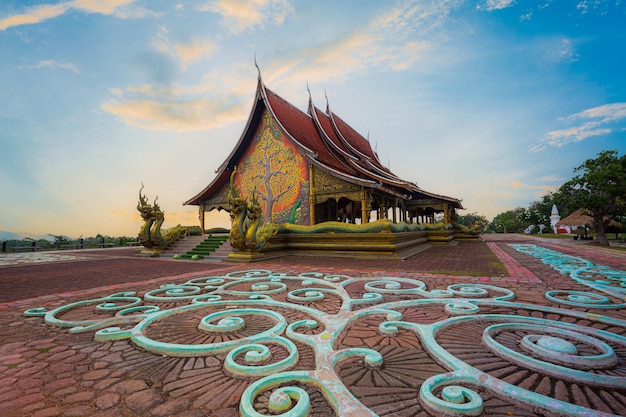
[(446, 214), (311, 197), (201, 208), (365, 214)]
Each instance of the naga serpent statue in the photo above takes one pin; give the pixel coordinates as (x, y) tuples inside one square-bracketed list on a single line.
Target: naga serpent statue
[(246, 232), (150, 235)]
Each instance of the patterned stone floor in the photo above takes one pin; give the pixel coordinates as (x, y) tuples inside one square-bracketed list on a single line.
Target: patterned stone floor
[(106, 334)]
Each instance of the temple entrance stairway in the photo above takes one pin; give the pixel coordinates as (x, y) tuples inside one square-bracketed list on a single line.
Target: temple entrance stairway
[(211, 248)]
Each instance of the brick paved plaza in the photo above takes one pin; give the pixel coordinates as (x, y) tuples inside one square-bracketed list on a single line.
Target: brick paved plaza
[(508, 326)]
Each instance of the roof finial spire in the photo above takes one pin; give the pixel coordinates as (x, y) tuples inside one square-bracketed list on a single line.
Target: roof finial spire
[(257, 66), (309, 90), (327, 102)]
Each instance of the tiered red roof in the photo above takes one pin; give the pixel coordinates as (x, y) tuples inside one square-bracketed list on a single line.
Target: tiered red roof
[(326, 141)]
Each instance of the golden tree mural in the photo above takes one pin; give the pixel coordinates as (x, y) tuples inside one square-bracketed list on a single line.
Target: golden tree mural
[(273, 170)]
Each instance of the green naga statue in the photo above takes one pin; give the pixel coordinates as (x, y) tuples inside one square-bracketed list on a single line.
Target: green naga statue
[(246, 232), (150, 235)]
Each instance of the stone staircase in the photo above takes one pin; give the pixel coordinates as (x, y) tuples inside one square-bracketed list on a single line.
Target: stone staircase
[(213, 248)]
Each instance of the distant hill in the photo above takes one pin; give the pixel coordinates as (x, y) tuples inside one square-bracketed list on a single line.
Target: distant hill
[(10, 236), (5, 235)]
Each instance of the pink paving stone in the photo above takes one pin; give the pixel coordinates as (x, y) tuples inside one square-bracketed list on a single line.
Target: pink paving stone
[(143, 400), (41, 342), (81, 369), (7, 381), (75, 358), (80, 397), (35, 406), (105, 383), (65, 391), (10, 395), (49, 412), (10, 358), (37, 367), (108, 400), (10, 346), (95, 375), (60, 348), (100, 365), (129, 386), (114, 412), (171, 408), (25, 399), (81, 410), (29, 383), (58, 384), (61, 355), (60, 368)]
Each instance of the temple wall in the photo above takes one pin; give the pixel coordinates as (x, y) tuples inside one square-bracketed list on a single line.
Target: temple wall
[(273, 171)]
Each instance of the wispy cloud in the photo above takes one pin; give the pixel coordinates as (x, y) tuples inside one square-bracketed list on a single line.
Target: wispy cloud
[(240, 15), (596, 121), (34, 15), (551, 178), (181, 108), (387, 42), (393, 41), (185, 53), (37, 14), (49, 63), (495, 4), (567, 51)]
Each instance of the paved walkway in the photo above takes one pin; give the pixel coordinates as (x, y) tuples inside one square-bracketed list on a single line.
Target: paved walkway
[(526, 326)]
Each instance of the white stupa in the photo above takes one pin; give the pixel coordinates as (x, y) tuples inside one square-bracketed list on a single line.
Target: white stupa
[(554, 217)]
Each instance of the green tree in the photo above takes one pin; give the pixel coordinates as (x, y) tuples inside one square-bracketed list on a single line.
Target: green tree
[(600, 189), (511, 221), (472, 219)]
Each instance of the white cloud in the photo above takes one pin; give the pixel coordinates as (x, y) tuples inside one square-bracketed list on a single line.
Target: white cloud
[(48, 63), (181, 108), (394, 41), (567, 50), (38, 14), (186, 53), (99, 6), (592, 122), (496, 4), (387, 42), (240, 15), (34, 15), (551, 178)]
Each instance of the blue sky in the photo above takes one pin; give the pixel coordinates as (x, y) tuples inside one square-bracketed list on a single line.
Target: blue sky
[(494, 101)]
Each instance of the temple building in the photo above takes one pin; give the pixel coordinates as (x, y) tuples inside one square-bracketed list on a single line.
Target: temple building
[(313, 167)]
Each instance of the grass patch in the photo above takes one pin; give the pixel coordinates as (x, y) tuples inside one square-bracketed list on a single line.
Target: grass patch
[(14, 365), (45, 350)]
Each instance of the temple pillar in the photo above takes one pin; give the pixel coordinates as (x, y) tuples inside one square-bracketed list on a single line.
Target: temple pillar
[(365, 214), (311, 197), (201, 218), (446, 213)]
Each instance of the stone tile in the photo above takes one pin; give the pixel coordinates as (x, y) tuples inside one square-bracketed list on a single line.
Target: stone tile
[(29, 383), (108, 400), (171, 408), (130, 386), (80, 397), (49, 412), (81, 410), (95, 375), (141, 401)]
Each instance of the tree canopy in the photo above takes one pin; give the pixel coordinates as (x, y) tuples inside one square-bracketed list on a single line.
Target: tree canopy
[(599, 188)]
